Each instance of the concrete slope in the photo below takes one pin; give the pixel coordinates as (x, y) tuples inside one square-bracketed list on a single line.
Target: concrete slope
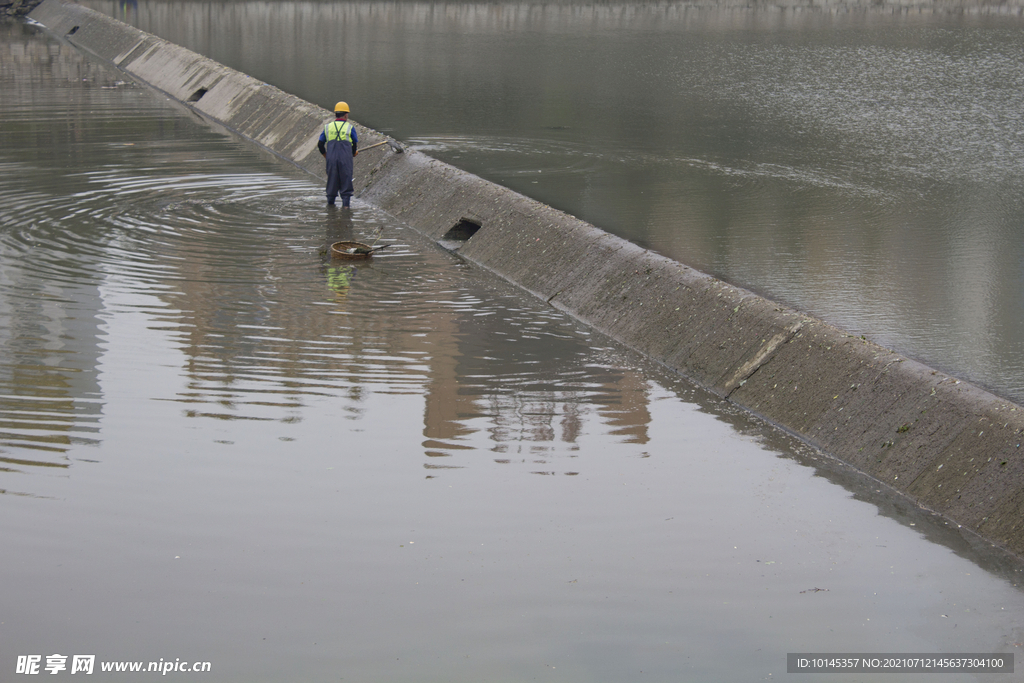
[(952, 447)]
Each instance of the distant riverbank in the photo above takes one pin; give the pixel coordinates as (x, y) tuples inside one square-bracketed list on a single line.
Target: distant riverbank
[(23, 7)]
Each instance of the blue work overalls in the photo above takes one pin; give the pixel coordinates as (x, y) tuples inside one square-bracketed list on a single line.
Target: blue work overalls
[(338, 137)]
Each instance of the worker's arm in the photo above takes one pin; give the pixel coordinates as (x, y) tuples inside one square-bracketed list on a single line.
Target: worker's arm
[(321, 144), (355, 141)]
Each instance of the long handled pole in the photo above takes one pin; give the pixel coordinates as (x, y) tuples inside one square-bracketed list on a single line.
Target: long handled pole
[(398, 149)]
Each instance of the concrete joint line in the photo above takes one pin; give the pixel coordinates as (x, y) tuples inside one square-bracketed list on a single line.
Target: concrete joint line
[(745, 371), (551, 298), (121, 59)]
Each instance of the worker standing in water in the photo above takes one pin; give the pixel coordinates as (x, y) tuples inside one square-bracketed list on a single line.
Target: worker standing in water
[(338, 144)]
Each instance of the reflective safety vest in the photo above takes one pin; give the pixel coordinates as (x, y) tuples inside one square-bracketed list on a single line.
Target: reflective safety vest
[(338, 131), (338, 279)]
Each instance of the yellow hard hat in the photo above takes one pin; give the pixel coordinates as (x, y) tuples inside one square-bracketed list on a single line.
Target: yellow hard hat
[(341, 106)]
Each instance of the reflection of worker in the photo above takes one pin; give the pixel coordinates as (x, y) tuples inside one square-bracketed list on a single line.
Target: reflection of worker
[(337, 228), (338, 144), (338, 279), (128, 10)]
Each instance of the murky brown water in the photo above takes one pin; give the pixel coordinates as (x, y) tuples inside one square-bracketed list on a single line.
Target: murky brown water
[(218, 445), (863, 166)]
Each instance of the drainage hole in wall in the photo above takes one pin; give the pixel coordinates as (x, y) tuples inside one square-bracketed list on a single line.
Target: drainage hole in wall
[(73, 31), (462, 230), (459, 234), (198, 95)]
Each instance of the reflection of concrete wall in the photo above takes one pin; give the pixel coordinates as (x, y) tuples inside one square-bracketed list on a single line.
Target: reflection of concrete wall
[(951, 446)]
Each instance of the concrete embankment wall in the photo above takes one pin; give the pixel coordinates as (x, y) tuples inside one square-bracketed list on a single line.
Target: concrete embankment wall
[(950, 446)]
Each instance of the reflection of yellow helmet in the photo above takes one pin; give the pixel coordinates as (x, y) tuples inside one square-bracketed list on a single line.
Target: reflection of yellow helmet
[(341, 106)]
